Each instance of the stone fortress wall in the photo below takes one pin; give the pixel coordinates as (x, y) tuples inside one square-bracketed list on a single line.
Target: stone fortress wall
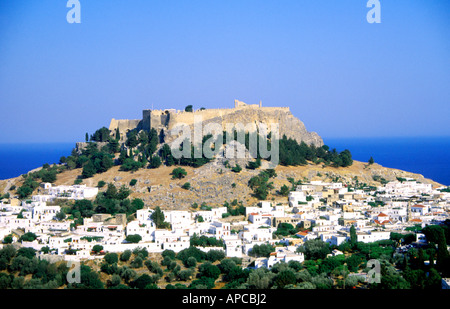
[(241, 113)]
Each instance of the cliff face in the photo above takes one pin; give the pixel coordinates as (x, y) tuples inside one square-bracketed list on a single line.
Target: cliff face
[(242, 113), (287, 123)]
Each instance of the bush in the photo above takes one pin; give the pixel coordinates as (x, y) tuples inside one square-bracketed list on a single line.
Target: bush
[(178, 173), (97, 248), (141, 252), (129, 165), (191, 262), (153, 267), (284, 278), (133, 182), (202, 283), (125, 256), (133, 238), (237, 168), (168, 253), (209, 270), (29, 253), (29, 236), (185, 275), (137, 262), (215, 255), (262, 250), (111, 258), (184, 254), (143, 281)]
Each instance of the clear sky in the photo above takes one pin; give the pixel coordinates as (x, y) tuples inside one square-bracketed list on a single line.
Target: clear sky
[(340, 75)]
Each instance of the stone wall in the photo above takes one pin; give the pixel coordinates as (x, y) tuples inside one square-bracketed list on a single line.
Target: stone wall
[(242, 113), (123, 124)]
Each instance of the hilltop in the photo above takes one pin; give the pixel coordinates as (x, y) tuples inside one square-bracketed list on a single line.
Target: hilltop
[(250, 116)]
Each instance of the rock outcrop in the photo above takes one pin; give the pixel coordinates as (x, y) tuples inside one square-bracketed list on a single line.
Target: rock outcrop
[(250, 116)]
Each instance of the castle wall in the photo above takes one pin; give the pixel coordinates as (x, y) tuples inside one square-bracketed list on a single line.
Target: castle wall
[(146, 119), (123, 124), (242, 113), (207, 114)]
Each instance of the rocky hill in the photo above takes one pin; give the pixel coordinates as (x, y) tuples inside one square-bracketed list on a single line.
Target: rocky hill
[(214, 184)]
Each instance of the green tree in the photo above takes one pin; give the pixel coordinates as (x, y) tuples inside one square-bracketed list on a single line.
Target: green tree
[(284, 278), (131, 165), (111, 258), (155, 161), (142, 281), (260, 278), (188, 108), (315, 249), (60, 216), (89, 170), (117, 133), (285, 229), (125, 256), (101, 135), (158, 218), (137, 262), (353, 236), (215, 255), (133, 238), (28, 253), (84, 208), (89, 279), (178, 173), (284, 190), (191, 262), (262, 250), (97, 248), (29, 236), (209, 270), (185, 254)]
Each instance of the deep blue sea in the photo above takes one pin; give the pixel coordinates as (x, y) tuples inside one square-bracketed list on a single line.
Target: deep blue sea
[(18, 159), (428, 156)]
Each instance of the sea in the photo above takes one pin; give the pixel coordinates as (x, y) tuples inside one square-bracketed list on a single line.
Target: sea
[(428, 156)]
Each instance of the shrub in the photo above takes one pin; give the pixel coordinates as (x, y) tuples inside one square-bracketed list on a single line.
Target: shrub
[(101, 184), (178, 173), (111, 258), (29, 236), (97, 248), (237, 168), (125, 256), (135, 238), (137, 262)]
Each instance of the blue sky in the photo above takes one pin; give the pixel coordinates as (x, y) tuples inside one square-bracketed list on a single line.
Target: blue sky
[(340, 75)]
